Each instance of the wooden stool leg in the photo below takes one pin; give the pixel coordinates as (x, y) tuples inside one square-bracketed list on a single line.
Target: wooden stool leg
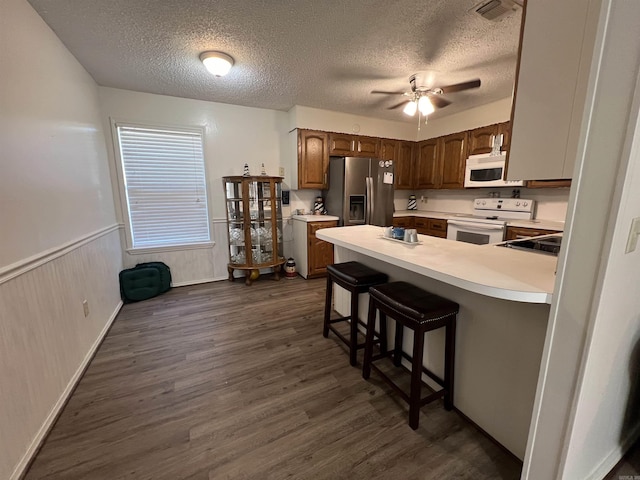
[(327, 307), (416, 375), (397, 345), (368, 342), (353, 341), (383, 333), (449, 362)]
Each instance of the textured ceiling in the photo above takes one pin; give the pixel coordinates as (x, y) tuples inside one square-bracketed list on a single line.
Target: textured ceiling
[(328, 54)]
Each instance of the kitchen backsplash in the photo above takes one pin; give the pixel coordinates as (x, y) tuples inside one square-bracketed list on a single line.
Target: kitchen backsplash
[(551, 203)]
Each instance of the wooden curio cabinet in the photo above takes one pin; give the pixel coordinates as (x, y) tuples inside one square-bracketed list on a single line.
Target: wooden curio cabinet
[(254, 224)]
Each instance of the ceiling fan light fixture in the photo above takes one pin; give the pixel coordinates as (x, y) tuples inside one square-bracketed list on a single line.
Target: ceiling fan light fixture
[(410, 108), (218, 63), (425, 106)]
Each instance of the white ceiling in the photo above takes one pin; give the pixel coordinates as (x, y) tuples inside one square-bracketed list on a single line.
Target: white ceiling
[(328, 54)]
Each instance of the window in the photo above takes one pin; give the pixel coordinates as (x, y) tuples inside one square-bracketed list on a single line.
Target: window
[(165, 186)]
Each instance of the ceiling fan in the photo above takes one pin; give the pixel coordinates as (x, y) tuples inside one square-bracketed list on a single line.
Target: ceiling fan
[(425, 100)]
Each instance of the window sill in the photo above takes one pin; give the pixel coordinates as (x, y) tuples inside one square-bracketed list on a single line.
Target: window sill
[(171, 248)]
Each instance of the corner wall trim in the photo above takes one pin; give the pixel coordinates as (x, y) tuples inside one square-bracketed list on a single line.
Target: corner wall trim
[(38, 440), (23, 266)]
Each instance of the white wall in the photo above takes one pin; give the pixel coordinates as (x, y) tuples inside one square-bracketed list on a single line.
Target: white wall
[(495, 112), (585, 414), (234, 135), (330, 121), (59, 241)]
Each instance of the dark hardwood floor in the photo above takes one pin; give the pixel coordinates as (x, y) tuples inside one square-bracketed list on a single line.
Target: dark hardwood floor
[(225, 381)]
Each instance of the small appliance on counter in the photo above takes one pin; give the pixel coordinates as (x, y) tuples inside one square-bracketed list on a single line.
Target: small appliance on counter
[(489, 220)]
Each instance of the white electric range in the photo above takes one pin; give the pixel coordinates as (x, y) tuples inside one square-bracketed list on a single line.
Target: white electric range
[(488, 222)]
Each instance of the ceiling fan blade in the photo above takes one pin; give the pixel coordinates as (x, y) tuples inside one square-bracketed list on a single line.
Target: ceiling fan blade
[(458, 87), (438, 101), (387, 93), (398, 105)]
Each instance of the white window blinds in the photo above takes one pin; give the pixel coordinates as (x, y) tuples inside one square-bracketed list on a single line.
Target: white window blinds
[(165, 186)]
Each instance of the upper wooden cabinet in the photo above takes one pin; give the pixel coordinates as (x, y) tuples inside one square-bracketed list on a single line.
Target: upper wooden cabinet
[(453, 156), (404, 165), (504, 129), (342, 144), (554, 60), (427, 166), (481, 139), (560, 183), (313, 159), (388, 149)]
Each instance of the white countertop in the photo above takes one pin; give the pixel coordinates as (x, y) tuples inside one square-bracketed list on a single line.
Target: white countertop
[(536, 223), (488, 270), (315, 218)]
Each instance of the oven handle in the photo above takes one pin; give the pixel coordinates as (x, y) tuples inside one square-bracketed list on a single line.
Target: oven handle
[(476, 226)]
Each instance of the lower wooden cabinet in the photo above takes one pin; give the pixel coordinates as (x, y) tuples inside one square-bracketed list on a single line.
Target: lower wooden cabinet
[(514, 233), (436, 227), (311, 254), (404, 222)]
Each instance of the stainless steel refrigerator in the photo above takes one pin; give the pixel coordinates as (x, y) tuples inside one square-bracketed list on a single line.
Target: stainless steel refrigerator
[(360, 191)]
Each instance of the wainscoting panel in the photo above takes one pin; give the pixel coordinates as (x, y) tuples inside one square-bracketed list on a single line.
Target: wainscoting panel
[(46, 340)]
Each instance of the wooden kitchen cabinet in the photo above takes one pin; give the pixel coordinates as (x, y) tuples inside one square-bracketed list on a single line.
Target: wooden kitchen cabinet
[(320, 253), (436, 227), (311, 254), (313, 159), (342, 144), (453, 157), (427, 171), (481, 139), (404, 222), (514, 233), (404, 166), (388, 149), (561, 183)]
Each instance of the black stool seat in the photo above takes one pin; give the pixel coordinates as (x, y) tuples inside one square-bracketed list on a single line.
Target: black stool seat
[(421, 311), (356, 278), (356, 275), (414, 303)]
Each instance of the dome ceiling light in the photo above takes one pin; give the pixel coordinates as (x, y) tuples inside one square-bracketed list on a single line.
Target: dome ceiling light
[(218, 63)]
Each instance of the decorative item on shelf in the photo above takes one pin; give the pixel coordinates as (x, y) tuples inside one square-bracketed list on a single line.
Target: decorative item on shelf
[(263, 171), (413, 204), (246, 172), (318, 207), (290, 268)]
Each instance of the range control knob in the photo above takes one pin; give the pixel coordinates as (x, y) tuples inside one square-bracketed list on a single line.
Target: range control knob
[(484, 203), (517, 204), (524, 204)]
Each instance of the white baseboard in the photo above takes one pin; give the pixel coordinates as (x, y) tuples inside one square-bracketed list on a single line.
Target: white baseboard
[(614, 456), (19, 471), (193, 282)]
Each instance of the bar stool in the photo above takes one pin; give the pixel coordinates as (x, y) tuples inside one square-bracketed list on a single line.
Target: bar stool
[(422, 312), (355, 278)]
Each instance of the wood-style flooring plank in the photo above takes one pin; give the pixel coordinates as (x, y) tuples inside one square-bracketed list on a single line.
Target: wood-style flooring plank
[(224, 381)]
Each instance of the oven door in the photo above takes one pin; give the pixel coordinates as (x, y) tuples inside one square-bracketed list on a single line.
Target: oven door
[(474, 232)]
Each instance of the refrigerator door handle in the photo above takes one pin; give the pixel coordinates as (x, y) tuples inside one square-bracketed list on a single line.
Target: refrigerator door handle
[(369, 200)]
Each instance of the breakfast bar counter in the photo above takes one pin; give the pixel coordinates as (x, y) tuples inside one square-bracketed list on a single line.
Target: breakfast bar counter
[(504, 297)]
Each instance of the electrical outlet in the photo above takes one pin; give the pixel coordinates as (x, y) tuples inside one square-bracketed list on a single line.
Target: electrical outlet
[(281, 171), (85, 307)]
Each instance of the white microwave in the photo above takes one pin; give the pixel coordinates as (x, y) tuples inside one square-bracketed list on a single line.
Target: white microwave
[(488, 171)]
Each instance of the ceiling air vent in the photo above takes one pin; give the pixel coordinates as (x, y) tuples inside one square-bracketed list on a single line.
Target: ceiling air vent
[(496, 9)]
